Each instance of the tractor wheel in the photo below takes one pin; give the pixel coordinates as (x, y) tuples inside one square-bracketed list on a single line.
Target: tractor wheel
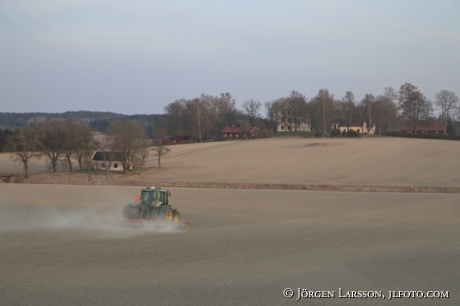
[(176, 216), (126, 210), (165, 212), (154, 213), (133, 213)]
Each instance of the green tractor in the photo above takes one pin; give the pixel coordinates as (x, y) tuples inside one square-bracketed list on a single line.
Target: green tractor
[(152, 204)]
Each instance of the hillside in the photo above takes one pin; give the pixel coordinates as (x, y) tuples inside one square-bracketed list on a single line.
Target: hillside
[(376, 161)]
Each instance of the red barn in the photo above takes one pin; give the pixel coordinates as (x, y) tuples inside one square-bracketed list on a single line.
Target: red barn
[(240, 132), (424, 127), (183, 136)]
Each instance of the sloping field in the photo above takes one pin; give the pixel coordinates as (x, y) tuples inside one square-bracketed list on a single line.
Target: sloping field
[(244, 247), (333, 162), (375, 161)]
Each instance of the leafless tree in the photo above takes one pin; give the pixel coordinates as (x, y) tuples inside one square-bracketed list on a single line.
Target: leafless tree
[(368, 108), (83, 136), (323, 102), (414, 105), (298, 109), (70, 145), (273, 112), (53, 141), (447, 102), (202, 114), (225, 111), (385, 113), (25, 145), (175, 116), (160, 146), (251, 109), (349, 107), (127, 136), (390, 109), (88, 148)]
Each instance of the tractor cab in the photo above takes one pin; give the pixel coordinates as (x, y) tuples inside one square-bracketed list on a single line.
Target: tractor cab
[(153, 196)]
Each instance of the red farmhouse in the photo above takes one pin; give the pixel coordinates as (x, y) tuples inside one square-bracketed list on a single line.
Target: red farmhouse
[(240, 132)]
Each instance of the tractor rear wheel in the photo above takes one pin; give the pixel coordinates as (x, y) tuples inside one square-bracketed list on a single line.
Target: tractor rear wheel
[(154, 212), (133, 213), (166, 212), (176, 216), (126, 210)]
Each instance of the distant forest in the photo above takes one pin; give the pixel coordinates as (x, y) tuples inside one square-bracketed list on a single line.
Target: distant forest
[(99, 121)]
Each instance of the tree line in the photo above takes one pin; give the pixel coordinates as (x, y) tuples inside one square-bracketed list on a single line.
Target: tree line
[(98, 121), (208, 115), (61, 142), (382, 111)]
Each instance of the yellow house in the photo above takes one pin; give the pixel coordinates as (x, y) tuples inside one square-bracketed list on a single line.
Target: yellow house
[(359, 126)]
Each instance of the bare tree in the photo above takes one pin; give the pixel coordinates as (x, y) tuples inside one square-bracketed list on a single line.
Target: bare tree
[(83, 136), (25, 145), (104, 145), (298, 108), (70, 145), (126, 136), (385, 113), (448, 102), (225, 111), (144, 147), (160, 147), (368, 107), (414, 105), (273, 113), (89, 147), (202, 114), (53, 142), (251, 109), (349, 107), (390, 109), (323, 103), (175, 116)]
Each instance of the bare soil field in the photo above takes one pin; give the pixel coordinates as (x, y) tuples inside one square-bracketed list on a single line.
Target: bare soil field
[(378, 162), (244, 247), (374, 161)]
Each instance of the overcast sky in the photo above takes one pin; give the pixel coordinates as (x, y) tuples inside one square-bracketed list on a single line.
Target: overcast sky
[(137, 56)]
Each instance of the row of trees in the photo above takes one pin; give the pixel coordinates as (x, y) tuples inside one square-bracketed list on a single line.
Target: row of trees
[(208, 115), (61, 142), (382, 111), (322, 110)]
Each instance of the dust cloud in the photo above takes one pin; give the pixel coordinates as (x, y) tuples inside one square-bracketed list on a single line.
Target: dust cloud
[(97, 223)]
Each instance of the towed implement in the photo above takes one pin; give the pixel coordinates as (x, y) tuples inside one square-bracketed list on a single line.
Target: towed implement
[(153, 205)]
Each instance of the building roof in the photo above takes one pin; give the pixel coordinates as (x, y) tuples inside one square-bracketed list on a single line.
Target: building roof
[(239, 130), (359, 123), (99, 156), (428, 126)]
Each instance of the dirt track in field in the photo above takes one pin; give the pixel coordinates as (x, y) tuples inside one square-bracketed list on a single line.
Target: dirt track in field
[(243, 247)]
